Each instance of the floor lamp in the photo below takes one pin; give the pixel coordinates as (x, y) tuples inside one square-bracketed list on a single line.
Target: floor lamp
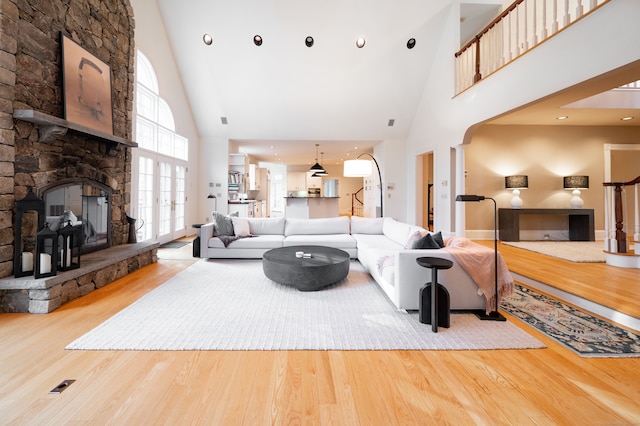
[(494, 315), (362, 168)]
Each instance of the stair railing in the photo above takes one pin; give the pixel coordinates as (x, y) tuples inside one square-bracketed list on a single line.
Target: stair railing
[(615, 200), (518, 29), (357, 204)]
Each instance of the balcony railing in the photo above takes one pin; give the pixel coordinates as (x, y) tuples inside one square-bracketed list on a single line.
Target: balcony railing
[(519, 28)]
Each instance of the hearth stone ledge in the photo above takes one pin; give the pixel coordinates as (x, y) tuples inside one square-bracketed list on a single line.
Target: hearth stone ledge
[(44, 295)]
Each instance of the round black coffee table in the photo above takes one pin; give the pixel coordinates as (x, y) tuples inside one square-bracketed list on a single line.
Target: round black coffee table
[(326, 266)]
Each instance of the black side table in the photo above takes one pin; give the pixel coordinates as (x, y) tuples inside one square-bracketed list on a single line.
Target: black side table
[(434, 303), (196, 241)]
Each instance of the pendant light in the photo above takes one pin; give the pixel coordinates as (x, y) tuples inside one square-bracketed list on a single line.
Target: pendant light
[(316, 167), (323, 172)]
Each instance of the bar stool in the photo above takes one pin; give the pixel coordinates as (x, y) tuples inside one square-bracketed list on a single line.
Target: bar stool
[(434, 303)]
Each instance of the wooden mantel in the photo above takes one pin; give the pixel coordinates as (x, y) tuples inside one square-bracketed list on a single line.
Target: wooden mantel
[(50, 127)]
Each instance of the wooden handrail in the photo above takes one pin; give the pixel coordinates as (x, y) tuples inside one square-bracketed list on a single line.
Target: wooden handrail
[(486, 29), (630, 183)]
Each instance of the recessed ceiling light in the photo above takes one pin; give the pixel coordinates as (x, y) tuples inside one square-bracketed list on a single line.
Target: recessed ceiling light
[(627, 118), (257, 40), (411, 43), (360, 42), (207, 39), (308, 41), (391, 122), (223, 120), (562, 117)]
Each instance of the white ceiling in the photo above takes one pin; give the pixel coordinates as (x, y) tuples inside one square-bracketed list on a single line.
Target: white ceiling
[(288, 96)]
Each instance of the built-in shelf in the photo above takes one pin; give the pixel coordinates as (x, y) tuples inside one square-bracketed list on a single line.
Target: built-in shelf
[(50, 128)]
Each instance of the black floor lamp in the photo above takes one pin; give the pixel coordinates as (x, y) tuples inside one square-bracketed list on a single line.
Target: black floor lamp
[(362, 168), (494, 315)]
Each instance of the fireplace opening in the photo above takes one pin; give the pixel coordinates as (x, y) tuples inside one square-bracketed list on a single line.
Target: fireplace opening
[(83, 203)]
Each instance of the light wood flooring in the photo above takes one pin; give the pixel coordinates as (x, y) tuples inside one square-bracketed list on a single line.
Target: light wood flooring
[(551, 386)]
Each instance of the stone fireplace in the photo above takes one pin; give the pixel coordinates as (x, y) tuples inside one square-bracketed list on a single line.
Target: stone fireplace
[(50, 156), (72, 167)]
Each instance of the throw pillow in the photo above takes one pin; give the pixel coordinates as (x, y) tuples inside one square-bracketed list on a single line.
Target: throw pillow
[(241, 226), (222, 224), (413, 238), (426, 242), (437, 237)]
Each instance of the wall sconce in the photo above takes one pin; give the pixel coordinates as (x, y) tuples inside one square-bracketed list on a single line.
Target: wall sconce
[(516, 183), (46, 262), (576, 183)]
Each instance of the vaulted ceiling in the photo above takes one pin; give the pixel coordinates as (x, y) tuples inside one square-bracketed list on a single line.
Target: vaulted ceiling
[(284, 97)]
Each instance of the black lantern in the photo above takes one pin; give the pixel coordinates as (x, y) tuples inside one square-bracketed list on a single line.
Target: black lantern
[(69, 242), (46, 262), (24, 243)]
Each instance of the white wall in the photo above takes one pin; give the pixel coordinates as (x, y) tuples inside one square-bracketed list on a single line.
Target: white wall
[(597, 44)]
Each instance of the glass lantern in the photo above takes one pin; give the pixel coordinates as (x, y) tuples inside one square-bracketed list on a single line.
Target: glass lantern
[(46, 261), (69, 242), (25, 233)]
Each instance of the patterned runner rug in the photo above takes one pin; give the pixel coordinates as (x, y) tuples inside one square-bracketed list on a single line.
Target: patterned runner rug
[(583, 333), (231, 305)]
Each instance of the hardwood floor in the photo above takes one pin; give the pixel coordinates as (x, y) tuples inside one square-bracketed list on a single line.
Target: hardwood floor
[(543, 386)]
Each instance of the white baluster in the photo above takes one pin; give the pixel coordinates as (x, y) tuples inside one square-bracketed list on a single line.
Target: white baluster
[(636, 233), (607, 218), (566, 13), (554, 25), (579, 9), (534, 39)]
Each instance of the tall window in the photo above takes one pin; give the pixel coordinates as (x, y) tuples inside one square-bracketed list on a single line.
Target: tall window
[(161, 164)]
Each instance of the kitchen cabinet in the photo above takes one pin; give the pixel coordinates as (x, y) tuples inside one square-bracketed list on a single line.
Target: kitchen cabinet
[(296, 181), (255, 177), (313, 182)]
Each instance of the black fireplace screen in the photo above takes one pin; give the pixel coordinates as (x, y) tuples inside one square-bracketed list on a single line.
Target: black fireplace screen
[(84, 204)]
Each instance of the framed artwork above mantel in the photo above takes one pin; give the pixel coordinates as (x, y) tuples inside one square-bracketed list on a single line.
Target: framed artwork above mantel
[(86, 87)]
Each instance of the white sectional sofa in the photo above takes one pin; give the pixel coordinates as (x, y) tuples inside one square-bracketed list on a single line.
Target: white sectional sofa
[(379, 244)]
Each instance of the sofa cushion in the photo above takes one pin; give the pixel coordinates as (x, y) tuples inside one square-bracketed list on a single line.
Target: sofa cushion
[(266, 225), (223, 224), (397, 231), (341, 241), (331, 225), (240, 226), (366, 225), (371, 241), (256, 242)]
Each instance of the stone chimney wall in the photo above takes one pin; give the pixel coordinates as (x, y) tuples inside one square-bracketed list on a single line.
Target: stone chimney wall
[(31, 78)]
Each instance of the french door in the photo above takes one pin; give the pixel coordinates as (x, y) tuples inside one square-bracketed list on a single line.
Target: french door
[(161, 197)]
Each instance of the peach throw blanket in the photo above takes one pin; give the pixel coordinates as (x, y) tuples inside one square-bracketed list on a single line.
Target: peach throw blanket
[(477, 261)]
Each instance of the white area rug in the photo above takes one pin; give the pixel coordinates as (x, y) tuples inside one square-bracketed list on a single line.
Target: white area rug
[(573, 251), (231, 305)]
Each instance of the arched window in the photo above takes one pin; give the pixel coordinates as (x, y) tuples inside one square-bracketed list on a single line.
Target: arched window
[(155, 127)]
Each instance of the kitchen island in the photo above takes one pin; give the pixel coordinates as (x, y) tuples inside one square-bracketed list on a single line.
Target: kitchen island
[(245, 208), (311, 207)]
